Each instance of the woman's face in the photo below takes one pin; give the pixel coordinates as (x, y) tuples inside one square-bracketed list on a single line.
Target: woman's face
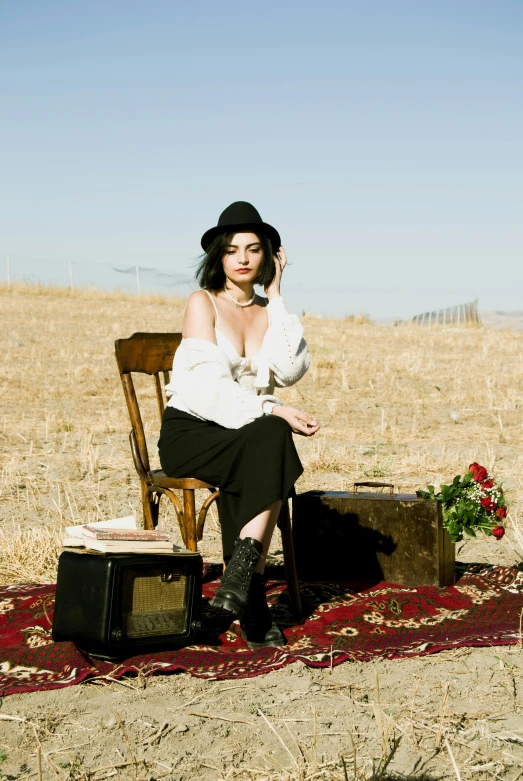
[(243, 258)]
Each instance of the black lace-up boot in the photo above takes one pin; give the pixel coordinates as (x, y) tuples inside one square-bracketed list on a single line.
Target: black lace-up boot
[(234, 588), (257, 627)]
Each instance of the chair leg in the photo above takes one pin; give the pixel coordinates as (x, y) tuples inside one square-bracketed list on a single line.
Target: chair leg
[(189, 519), (202, 515), (150, 506), (178, 509), (284, 524)]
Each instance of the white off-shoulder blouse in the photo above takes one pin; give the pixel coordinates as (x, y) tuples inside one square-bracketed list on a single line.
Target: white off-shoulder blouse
[(213, 382)]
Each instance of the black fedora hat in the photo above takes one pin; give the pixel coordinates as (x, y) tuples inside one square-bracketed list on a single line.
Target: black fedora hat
[(241, 217)]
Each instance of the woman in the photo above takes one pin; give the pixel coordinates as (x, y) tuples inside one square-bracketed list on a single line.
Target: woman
[(222, 424)]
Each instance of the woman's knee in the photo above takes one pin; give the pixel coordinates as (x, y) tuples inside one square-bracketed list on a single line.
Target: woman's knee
[(274, 423)]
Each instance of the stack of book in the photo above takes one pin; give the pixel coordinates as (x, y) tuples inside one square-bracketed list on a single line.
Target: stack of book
[(119, 535)]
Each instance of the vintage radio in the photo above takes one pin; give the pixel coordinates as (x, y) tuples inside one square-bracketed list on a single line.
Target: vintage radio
[(373, 536), (117, 605)]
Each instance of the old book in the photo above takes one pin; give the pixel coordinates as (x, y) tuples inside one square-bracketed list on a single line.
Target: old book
[(134, 540), (73, 542), (128, 546), (140, 535), (127, 523), (174, 551)]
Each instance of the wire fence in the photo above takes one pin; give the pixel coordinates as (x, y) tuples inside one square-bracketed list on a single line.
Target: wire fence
[(137, 279), (462, 314), (74, 274)]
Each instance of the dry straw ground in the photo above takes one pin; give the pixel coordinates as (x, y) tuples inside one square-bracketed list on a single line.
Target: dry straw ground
[(409, 405)]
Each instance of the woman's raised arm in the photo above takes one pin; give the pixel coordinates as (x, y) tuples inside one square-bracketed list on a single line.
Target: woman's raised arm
[(286, 348)]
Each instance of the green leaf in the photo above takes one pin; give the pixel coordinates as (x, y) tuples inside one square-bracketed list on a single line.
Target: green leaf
[(454, 528), (469, 531), (449, 515)]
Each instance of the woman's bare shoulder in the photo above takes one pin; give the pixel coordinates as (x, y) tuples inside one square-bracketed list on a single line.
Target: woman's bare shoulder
[(199, 317), (200, 301)]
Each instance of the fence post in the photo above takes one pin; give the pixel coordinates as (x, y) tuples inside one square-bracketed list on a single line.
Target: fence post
[(138, 281), (9, 272), (71, 286)]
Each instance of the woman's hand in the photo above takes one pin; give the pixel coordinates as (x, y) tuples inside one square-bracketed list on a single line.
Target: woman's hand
[(280, 261), (300, 422)]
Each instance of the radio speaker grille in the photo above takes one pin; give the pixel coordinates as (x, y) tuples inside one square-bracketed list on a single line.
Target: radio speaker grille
[(154, 604)]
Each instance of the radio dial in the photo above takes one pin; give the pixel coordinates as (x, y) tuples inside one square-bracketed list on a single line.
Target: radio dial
[(116, 635)]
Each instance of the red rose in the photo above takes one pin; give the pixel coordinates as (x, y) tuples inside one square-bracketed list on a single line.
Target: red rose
[(501, 512), (498, 532), (480, 474), (487, 484), (473, 467), (488, 504)]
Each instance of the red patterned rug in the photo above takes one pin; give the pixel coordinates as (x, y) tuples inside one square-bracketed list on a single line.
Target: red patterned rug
[(346, 622)]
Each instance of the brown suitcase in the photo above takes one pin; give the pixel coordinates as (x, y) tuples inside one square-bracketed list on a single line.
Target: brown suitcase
[(374, 536)]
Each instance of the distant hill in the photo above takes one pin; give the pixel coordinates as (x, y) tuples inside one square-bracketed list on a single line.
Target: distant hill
[(509, 319)]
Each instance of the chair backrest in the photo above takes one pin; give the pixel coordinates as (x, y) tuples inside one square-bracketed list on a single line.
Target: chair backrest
[(145, 354)]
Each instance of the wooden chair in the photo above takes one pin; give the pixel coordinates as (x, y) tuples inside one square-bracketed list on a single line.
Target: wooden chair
[(150, 353)]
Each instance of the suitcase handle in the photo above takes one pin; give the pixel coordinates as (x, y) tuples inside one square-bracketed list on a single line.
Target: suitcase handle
[(370, 484)]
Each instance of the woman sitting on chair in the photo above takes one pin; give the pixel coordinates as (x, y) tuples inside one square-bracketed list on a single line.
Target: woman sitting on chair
[(222, 424)]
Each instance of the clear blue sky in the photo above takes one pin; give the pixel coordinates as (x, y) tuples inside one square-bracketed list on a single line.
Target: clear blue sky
[(382, 139)]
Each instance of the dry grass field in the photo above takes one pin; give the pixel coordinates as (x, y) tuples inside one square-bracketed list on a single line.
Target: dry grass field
[(409, 405)]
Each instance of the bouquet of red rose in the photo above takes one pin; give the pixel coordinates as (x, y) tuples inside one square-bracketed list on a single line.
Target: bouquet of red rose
[(474, 501)]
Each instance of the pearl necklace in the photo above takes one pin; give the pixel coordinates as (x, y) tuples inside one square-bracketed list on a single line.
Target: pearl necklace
[(239, 303)]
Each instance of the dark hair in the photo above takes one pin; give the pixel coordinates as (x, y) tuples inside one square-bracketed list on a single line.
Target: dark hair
[(210, 274)]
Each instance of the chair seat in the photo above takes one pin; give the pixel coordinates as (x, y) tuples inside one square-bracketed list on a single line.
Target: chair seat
[(159, 478)]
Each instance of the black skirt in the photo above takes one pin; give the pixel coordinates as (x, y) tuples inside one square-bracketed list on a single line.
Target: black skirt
[(252, 466)]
